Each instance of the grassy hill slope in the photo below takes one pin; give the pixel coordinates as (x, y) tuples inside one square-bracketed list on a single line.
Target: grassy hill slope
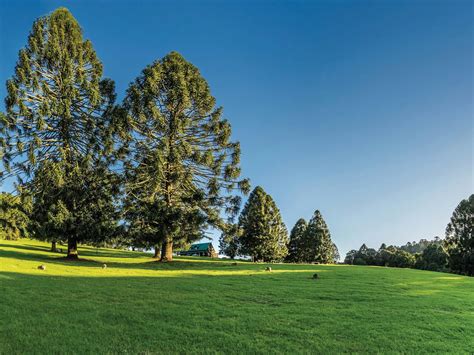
[(203, 305)]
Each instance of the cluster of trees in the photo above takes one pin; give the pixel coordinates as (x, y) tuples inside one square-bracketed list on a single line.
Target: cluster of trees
[(157, 169), (261, 233), (311, 242), (455, 253), (387, 256)]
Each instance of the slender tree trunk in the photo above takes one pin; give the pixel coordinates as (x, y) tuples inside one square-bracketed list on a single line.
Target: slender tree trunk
[(167, 250), (157, 252), (53, 247), (72, 249)]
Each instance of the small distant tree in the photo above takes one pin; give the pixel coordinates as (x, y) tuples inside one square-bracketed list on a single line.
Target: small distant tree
[(317, 245), (14, 216), (335, 253), (459, 240), (264, 235), (350, 256), (296, 239), (229, 241)]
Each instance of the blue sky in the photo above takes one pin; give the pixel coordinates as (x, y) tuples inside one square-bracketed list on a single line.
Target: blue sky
[(361, 109)]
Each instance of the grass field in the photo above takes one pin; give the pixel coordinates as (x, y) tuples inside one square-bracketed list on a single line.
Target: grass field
[(203, 305)]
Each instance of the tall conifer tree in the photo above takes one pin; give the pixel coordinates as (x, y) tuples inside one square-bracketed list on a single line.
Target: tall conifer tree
[(317, 244), (263, 234), (184, 168), (296, 238), (58, 113)]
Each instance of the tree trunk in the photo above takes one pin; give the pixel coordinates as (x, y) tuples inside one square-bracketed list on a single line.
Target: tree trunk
[(72, 249), (53, 247), (157, 252), (167, 251)]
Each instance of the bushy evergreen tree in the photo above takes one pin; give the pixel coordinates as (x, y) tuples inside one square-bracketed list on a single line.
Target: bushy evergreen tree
[(460, 238), (92, 219), (14, 216), (59, 113), (296, 239), (316, 244), (229, 241), (183, 168), (263, 234)]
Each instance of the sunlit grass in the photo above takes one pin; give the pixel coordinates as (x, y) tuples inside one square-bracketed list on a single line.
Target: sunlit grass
[(204, 305)]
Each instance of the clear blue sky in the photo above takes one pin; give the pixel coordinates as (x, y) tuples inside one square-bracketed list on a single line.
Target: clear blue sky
[(362, 109)]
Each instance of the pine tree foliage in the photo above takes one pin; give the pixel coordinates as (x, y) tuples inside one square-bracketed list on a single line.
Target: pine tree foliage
[(229, 241), (59, 115), (92, 218), (58, 108), (317, 245), (296, 241), (14, 216), (184, 169), (263, 234), (459, 240)]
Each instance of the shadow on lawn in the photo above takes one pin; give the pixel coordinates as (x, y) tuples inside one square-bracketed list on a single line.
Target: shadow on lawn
[(84, 251), (151, 264)]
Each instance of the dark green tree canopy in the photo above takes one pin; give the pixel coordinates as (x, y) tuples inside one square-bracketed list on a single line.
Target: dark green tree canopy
[(181, 155), (92, 217), (14, 216), (317, 245), (460, 237), (229, 241), (295, 245), (263, 234), (58, 106)]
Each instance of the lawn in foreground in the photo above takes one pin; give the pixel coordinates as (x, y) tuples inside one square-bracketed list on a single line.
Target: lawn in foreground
[(203, 305)]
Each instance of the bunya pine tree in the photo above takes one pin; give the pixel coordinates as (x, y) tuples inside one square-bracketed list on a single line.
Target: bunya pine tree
[(59, 112), (183, 169)]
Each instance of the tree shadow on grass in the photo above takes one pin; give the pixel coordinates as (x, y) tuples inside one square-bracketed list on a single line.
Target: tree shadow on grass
[(28, 247), (147, 263), (84, 251), (151, 264)]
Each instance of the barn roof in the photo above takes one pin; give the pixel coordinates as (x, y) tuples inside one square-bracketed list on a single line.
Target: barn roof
[(200, 247)]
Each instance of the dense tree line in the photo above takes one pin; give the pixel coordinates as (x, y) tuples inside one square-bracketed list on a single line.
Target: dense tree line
[(433, 257), (455, 253)]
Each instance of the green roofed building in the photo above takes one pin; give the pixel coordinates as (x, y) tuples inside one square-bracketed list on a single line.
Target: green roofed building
[(200, 249)]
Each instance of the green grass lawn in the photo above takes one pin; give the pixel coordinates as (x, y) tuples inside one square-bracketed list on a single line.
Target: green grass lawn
[(203, 305)]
